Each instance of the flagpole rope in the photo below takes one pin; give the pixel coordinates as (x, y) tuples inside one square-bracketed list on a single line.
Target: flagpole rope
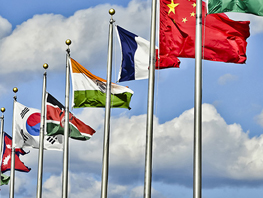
[(203, 42), (115, 56), (158, 60), (115, 62)]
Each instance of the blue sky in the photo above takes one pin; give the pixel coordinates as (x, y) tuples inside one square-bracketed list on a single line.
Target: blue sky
[(33, 33)]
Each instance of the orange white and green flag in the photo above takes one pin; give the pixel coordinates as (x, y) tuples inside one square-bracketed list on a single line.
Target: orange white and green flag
[(90, 90)]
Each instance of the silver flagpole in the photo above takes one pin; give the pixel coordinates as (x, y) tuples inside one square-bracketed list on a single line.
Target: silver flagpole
[(197, 185), (41, 135), (1, 138), (66, 128), (149, 126), (12, 174), (105, 168)]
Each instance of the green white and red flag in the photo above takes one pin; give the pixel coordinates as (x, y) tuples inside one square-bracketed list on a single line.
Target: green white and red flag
[(55, 121)]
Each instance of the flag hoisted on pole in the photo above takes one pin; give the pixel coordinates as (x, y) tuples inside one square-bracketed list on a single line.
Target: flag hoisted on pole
[(7, 152), (41, 135), (197, 184), (244, 6), (105, 163), (12, 175), (66, 127), (149, 125)]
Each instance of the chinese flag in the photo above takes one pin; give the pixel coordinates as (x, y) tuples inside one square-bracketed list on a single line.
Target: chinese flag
[(223, 39)]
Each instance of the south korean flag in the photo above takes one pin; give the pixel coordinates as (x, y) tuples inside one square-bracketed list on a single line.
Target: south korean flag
[(27, 128)]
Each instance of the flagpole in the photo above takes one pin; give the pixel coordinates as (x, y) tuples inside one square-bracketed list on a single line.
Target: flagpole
[(1, 139), (197, 185), (105, 165), (149, 125), (66, 127), (12, 174), (41, 135)]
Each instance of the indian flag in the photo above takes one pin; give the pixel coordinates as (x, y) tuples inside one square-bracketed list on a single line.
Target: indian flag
[(90, 90)]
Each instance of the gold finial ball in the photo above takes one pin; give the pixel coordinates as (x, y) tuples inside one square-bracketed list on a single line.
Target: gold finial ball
[(45, 66), (3, 109), (15, 89), (68, 41), (112, 11)]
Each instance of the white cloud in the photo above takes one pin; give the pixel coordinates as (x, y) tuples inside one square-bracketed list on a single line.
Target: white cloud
[(227, 78), (259, 118), (5, 27), (42, 38), (230, 157)]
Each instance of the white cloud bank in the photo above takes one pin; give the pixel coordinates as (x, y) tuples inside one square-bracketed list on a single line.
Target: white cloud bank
[(230, 157), (42, 38)]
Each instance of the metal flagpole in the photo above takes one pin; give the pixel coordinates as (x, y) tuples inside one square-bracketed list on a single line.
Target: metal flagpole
[(149, 126), (12, 174), (66, 128), (41, 135), (1, 138), (104, 177), (197, 185)]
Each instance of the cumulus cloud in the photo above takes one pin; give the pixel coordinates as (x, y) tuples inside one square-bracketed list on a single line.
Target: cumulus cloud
[(5, 27), (42, 39), (82, 185), (259, 118), (228, 151), (227, 78), (230, 156)]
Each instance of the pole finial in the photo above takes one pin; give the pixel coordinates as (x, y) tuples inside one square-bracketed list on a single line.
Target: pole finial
[(45, 66), (68, 42), (15, 89), (2, 109), (111, 11)]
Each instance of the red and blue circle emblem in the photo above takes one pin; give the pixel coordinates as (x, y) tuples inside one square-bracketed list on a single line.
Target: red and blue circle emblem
[(33, 124)]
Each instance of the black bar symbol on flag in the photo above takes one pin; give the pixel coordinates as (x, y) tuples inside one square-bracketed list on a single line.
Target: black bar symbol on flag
[(24, 111)]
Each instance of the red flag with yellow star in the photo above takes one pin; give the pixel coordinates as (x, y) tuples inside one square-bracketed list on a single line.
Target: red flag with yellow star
[(223, 39)]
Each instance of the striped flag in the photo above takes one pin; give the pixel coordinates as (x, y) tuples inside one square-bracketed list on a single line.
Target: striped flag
[(55, 121), (135, 57), (90, 90)]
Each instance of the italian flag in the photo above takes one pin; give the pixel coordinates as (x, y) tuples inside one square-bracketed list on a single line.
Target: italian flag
[(55, 121), (90, 90)]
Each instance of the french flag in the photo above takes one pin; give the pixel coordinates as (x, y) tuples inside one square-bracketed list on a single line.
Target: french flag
[(135, 57)]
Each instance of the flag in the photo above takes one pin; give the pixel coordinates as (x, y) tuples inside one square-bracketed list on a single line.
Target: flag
[(244, 6), (27, 127), (6, 158), (223, 39), (4, 179), (90, 90), (135, 57), (55, 121)]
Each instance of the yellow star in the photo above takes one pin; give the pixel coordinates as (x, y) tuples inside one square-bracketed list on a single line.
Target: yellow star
[(194, 5), (172, 6), (184, 20), (192, 14)]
